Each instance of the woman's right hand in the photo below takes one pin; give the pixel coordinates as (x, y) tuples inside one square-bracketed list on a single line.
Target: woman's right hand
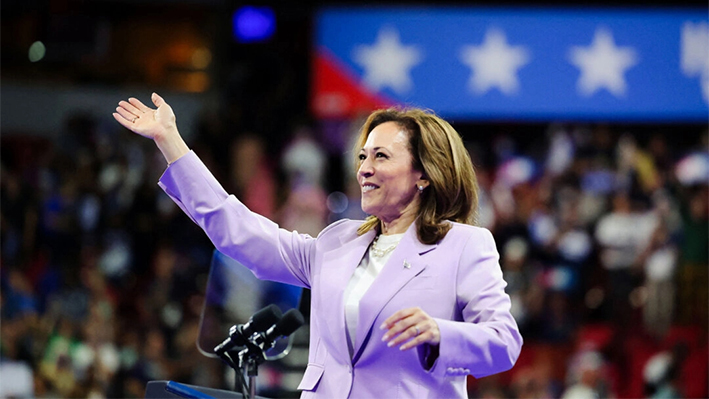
[(139, 118), (157, 124)]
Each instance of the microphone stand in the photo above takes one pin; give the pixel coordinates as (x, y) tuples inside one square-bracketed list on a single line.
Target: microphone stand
[(250, 358), (254, 349), (239, 382)]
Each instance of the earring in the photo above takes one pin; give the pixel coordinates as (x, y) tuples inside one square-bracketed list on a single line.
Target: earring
[(421, 188)]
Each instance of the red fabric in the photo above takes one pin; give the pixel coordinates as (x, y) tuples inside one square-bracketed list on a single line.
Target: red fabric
[(638, 351), (337, 92), (695, 374), (595, 337), (690, 335)]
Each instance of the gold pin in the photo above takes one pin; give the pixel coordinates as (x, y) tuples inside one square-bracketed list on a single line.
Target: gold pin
[(407, 265)]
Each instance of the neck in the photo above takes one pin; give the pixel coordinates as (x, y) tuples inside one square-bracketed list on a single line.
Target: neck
[(397, 225)]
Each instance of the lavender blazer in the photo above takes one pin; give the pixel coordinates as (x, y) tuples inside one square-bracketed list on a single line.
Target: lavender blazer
[(457, 281)]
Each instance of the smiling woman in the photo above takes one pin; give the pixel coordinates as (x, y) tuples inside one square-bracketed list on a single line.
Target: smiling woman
[(440, 161), (388, 179), (415, 275)]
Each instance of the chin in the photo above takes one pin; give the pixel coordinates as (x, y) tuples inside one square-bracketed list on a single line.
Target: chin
[(368, 209)]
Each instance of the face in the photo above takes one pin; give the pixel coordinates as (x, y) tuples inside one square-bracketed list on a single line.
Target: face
[(386, 176)]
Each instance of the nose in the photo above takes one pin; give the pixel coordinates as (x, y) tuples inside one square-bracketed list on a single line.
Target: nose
[(365, 168)]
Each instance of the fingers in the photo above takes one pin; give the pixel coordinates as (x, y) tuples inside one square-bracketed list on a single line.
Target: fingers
[(125, 114), (122, 120), (412, 327), (393, 319), (130, 107), (157, 100), (427, 333), (138, 105), (128, 110), (403, 331)]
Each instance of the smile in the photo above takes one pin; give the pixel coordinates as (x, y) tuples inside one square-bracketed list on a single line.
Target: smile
[(368, 187)]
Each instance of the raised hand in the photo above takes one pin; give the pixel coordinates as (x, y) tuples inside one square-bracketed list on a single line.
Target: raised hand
[(157, 124), (148, 122)]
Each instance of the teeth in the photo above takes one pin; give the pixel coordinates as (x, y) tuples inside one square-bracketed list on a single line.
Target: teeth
[(368, 187)]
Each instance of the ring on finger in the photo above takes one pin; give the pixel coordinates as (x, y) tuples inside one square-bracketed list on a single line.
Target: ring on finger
[(134, 119), (417, 330)]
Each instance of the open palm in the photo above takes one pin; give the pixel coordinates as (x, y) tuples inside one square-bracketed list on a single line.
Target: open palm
[(146, 121)]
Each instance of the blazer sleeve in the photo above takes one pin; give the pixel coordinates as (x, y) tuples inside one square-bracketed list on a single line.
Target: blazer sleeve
[(270, 252), (487, 340)]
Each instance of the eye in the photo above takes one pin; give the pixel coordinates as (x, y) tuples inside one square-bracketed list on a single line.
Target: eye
[(362, 157), (381, 155)]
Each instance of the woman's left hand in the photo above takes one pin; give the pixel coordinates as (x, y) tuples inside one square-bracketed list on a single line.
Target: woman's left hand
[(412, 327)]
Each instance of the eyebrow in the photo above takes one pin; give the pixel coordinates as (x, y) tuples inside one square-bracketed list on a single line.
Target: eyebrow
[(373, 148)]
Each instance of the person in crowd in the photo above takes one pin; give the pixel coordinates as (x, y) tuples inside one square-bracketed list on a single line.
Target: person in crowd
[(406, 303)]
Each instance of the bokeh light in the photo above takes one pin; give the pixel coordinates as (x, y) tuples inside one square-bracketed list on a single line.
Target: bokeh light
[(37, 51)]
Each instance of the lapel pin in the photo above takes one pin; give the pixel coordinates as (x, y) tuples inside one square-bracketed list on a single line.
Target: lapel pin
[(407, 265)]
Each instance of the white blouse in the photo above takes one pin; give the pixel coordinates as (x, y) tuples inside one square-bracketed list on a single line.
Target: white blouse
[(364, 275)]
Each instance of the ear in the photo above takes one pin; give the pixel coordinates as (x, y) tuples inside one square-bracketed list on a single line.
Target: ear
[(422, 182)]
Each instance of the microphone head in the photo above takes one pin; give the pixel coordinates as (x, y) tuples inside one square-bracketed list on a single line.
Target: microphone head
[(290, 322), (265, 318)]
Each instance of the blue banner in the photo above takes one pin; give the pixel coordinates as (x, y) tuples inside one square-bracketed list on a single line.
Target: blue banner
[(529, 64)]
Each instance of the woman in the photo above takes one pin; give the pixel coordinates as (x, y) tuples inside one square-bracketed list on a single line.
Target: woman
[(404, 304)]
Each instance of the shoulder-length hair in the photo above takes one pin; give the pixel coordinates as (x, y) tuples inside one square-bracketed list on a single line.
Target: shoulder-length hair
[(438, 151)]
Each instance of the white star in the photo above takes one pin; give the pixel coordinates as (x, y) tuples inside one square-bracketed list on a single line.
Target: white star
[(494, 63), (602, 64), (387, 63), (695, 54)]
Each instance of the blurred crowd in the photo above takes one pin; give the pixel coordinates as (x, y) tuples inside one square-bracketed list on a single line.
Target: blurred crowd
[(604, 238), (602, 234)]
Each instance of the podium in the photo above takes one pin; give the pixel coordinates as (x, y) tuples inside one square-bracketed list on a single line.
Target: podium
[(172, 389), (231, 297)]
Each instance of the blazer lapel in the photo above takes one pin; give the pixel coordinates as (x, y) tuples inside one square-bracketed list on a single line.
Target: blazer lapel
[(338, 267), (404, 264)]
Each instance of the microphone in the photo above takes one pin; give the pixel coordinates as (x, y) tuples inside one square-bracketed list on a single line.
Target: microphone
[(258, 323), (290, 322)]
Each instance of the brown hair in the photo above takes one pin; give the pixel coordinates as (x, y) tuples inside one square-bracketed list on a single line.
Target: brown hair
[(438, 151)]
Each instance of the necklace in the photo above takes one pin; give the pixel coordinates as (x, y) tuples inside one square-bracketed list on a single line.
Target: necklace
[(378, 252)]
